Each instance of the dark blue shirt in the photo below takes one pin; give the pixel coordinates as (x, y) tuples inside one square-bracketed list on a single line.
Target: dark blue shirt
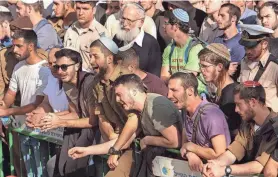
[(237, 51)]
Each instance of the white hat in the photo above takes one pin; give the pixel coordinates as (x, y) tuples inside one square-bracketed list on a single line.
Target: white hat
[(4, 9), (255, 30), (29, 1)]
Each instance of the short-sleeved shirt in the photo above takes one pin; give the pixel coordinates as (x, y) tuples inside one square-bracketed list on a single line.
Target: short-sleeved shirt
[(80, 39), (269, 79), (209, 30), (237, 51), (158, 114), (155, 84), (212, 123), (244, 146)]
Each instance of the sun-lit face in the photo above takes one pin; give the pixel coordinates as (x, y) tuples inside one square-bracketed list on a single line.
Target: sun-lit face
[(58, 8), (254, 53), (209, 71), (147, 4), (224, 19), (212, 6), (70, 73), (112, 7), (21, 9), (177, 93), (268, 18), (98, 60), (85, 13), (243, 108), (124, 97), (52, 61), (130, 19), (20, 49)]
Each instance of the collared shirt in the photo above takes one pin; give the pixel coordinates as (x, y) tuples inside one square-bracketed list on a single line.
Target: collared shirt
[(138, 40), (244, 145), (209, 30), (80, 39), (269, 79)]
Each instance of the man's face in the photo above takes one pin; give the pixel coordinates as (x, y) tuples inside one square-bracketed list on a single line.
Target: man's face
[(52, 61), (85, 12), (98, 60), (250, 4), (147, 4), (168, 28), (177, 93), (130, 19), (224, 19), (209, 71), (21, 9), (20, 49), (243, 108), (58, 8), (124, 97), (238, 3), (70, 73), (254, 53), (112, 7), (268, 18), (212, 6)]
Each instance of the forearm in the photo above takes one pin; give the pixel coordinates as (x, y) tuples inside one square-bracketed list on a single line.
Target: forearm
[(75, 123), (249, 168), (62, 113), (227, 158), (21, 110), (65, 115), (205, 152), (160, 142)]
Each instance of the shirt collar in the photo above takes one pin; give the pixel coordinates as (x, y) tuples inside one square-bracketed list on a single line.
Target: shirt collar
[(263, 61), (92, 26), (139, 39)]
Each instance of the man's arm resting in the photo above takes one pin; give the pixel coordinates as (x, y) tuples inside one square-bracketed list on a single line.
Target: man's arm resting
[(165, 75), (9, 98), (75, 123), (249, 168)]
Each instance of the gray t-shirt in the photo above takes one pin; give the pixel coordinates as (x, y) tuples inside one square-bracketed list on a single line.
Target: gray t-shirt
[(159, 113)]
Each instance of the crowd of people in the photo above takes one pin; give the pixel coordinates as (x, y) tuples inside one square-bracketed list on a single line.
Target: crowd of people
[(130, 80)]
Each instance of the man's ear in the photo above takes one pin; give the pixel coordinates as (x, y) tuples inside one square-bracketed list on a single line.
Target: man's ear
[(77, 66), (31, 47), (94, 9)]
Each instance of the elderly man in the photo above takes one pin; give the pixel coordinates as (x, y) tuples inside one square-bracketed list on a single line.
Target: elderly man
[(131, 34)]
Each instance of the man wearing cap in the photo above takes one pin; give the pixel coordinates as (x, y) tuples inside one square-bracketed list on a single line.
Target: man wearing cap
[(256, 139), (47, 35), (182, 54), (84, 31), (259, 64)]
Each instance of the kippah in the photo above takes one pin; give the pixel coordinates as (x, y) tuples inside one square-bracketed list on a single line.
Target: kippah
[(109, 44), (181, 15), (220, 50)]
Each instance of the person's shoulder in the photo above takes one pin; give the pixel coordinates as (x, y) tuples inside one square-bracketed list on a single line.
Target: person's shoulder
[(148, 38), (19, 65), (211, 110)]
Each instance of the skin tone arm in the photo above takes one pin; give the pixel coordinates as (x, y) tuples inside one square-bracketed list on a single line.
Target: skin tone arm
[(9, 98), (271, 168), (165, 75)]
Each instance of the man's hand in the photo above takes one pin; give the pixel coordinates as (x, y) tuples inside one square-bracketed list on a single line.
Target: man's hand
[(212, 169), (195, 163), (113, 161), (50, 121), (143, 142), (233, 68), (78, 152), (34, 120)]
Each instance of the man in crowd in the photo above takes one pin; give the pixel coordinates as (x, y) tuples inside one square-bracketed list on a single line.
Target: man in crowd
[(269, 19), (47, 35), (29, 78), (256, 139), (259, 64), (83, 32), (131, 35), (247, 16), (229, 15), (182, 54), (130, 61), (209, 30), (5, 32), (211, 137), (65, 16)]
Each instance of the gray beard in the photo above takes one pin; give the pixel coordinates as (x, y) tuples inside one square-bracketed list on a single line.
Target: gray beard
[(128, 36)]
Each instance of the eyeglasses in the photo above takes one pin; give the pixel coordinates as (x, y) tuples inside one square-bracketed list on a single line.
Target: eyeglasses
[(129, 21), (167, 23), (253, 84), (205, 66), (63, 67)]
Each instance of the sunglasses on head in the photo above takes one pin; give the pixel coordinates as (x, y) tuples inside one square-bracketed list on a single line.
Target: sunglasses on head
[(63, 67)]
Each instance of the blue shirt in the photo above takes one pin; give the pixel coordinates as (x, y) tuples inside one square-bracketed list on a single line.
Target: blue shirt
[(237, 51)]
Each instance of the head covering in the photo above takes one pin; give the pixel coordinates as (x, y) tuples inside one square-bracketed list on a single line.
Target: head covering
[(21, 23), (109, 44), (220, 50), (253, 35), (29, 1), (4, 9), (181, 15)]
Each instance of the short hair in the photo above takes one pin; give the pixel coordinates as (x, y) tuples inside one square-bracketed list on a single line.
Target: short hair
[(102, 48), (272, 4), (247, 93), (91, 3), (71, 54), (140, 10), (187, 80), (129, 55), (38, 6), (5, 16), (211, 57), (29, 36), (131, 81), (183, 26), (233, 11)]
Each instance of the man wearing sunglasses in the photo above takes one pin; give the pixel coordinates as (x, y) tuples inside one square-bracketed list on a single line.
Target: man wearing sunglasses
[(256, 139), (259, 64)]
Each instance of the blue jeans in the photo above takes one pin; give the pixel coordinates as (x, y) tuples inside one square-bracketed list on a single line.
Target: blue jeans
[(35, 155)]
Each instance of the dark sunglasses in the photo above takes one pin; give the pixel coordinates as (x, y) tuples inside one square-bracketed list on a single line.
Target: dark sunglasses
[(63, 67)]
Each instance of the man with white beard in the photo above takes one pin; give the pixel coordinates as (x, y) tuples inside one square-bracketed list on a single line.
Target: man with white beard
[(131, 34)]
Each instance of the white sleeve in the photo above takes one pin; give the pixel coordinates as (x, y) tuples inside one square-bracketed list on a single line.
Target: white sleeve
[(149, 26), (14, 82), (42, 81)]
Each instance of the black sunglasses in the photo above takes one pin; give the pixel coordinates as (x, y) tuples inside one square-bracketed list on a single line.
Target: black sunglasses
[(63, 67)]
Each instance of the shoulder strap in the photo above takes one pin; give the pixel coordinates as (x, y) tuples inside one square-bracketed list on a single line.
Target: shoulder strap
[(262, 69), (197, 120), (170, 55)]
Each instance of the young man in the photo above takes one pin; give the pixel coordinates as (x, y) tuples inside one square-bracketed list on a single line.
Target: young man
[(256, 139), (5, 32), (247, 16), (84, 31), (259, 64)]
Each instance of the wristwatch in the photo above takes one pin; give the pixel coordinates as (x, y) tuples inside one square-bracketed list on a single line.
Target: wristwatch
[(113, 151), (228, 170)]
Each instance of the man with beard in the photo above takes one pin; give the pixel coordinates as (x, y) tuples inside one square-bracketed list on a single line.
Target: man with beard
[(211, 136), (84, 31), (130, 35), (228, 18), (30, 79), (269, 19), (259, 64), (256, 139)]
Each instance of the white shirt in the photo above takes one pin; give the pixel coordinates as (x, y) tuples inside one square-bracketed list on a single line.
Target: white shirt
[(138, 40)]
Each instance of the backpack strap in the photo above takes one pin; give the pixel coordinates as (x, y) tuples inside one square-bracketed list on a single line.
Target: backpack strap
[(262, 69), (198, 118)]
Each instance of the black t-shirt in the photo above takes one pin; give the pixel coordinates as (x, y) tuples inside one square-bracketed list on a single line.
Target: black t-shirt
[(273, 49), (227, 105)]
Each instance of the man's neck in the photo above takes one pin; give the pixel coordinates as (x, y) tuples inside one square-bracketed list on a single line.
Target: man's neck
[(140, 73), (140, 105), (33, 59), (181, 39), (86, 25), (193, 105), (151, 11), (261, 115), (35, 19), (230, 32), (109, 72), (275, 34)]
